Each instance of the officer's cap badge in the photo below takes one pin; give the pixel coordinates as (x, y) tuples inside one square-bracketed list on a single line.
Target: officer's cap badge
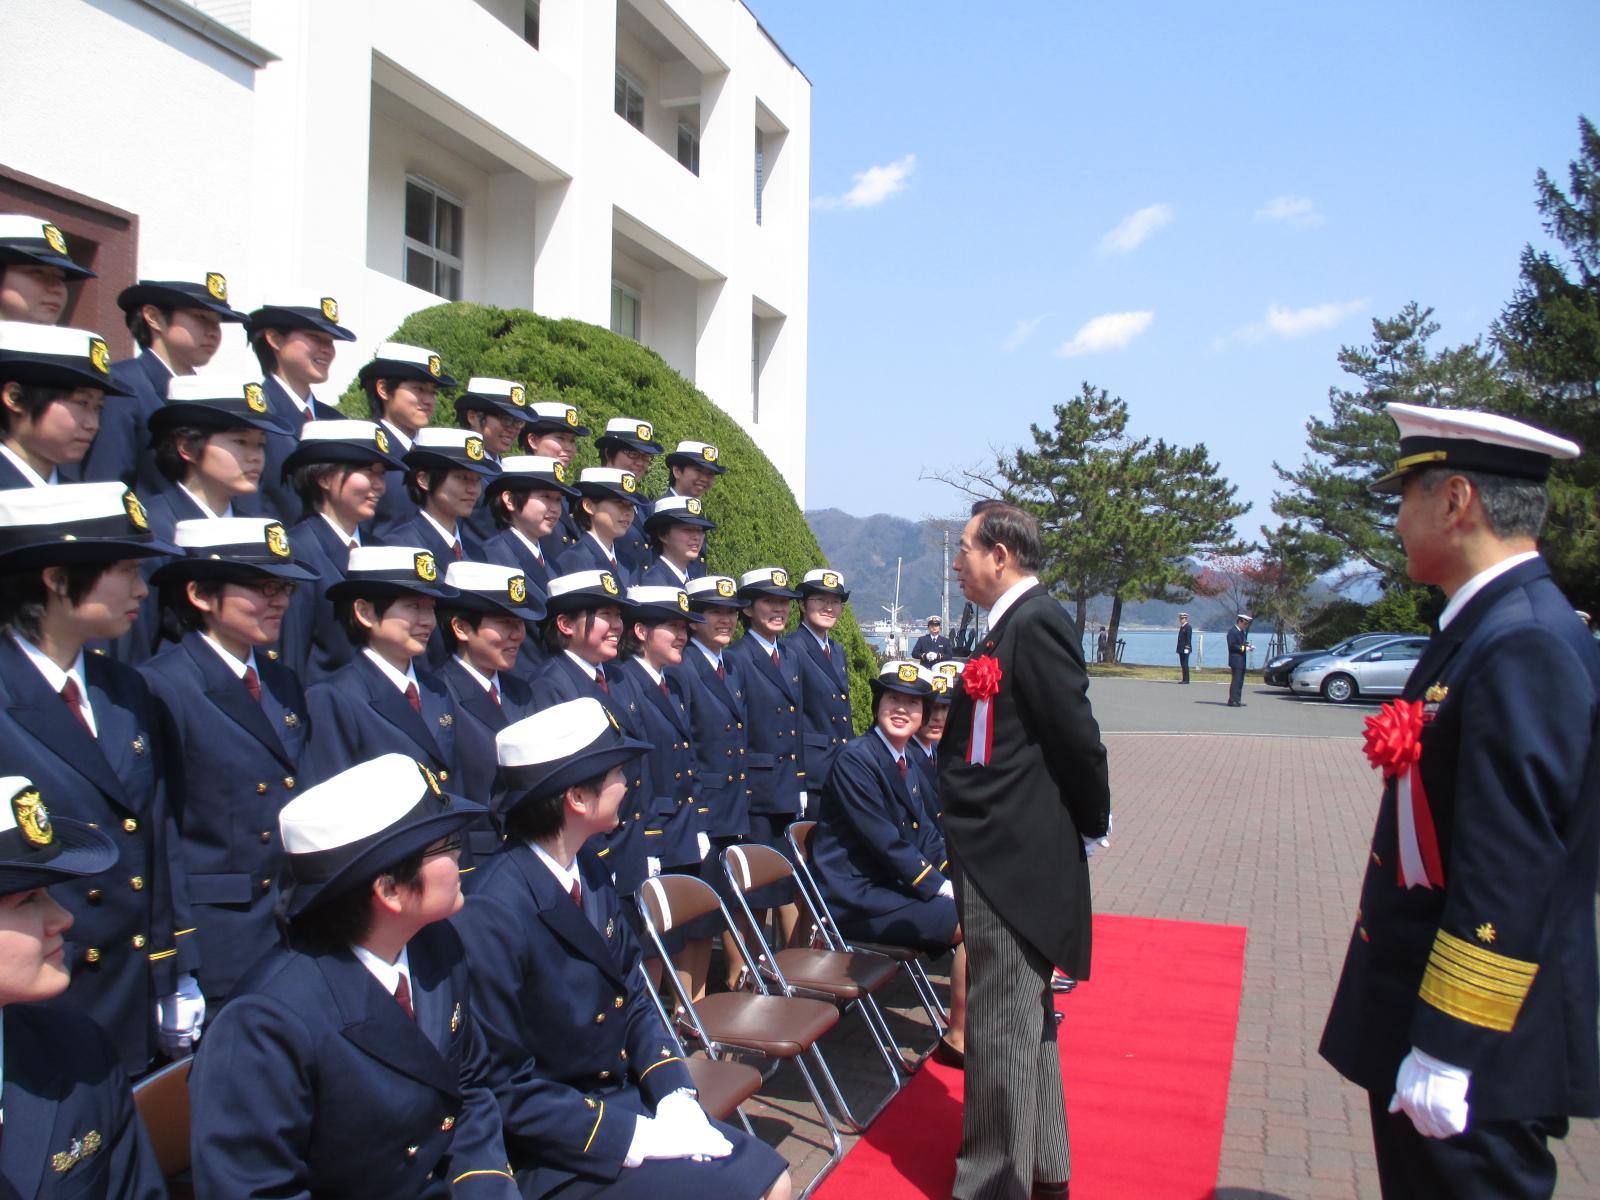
[(519, 395), (780, 577), (100, 355), (216, 285), (517, 588), (53, 238), (683, 601), (709, 453), (609, 582), (427, 569), (330, 308), (908, 673), (725, 587), (255, 398), (829, 579), (474, 447), (628, 482), (941, 683), (644, 431), (693, 506), (434, 365), (32, 817), (277, 540), (572, 416), (559, 472), (136, 512), (380, 439)]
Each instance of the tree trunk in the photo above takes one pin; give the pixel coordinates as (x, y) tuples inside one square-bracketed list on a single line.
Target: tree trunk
[(1111, 629), (1082, 599)]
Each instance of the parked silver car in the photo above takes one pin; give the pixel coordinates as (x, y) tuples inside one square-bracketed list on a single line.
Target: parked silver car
[(1380, 670)]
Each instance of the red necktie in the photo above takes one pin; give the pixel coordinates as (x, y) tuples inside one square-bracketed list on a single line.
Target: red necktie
[(354, 545), (600, 682), (775, 661), (665, 691), (722, 673), (74, 699), (494, 692), (615, 570), (305, 416), (252, 684), (414, 698), (457, 551), (901, 763), (402, 996), (827, 651), (577, 893)]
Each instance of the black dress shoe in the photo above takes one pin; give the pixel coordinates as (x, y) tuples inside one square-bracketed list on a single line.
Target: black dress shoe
[(947, 1055), (1054, 1191)]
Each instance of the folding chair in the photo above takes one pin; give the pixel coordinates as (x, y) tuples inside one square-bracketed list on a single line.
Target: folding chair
[(723, 1085), (777, 1027), (846, 977), (799, 835), (162, 1100)]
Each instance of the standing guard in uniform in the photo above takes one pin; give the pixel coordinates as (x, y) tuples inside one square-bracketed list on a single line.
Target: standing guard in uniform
[(86, 730), (593, 1097), (1239, 648), (53, 387), (35, 269), (445, 474), (1468, 1001), (553, 431), (933, 645), (825, 673), (402, 385), (629, 444), (676, 527), (495, 410), (1185, 643), (233, 719), (604, 514), (351, 1061)]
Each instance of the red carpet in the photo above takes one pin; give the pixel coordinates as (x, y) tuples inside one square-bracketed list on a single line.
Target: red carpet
[(1146, 1049)]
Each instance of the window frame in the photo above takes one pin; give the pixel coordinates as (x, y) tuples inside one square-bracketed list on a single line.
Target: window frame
[(435, 254), (633, 294), (684, 128), (626, 80)]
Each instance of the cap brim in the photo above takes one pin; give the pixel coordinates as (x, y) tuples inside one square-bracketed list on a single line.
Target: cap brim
[(141, 294), (579, 601), (918, 689), (83, 550), (772, 591), (201, 416), (515, 479), (660, 613), (10, 255), (83, 851), (427, 460), (347, 453), (515, 786), (57, 375), (546, 425), (465, 601), (282, 318), (692, 460), (387, 852), (678, 518), (231, 571), (356, 589), (1391, 484)]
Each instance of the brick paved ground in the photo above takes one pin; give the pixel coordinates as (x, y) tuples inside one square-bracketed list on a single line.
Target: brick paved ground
[(1268, 831)]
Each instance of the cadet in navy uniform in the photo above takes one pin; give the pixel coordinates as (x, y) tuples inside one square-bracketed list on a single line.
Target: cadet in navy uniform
[(945, 677), (234, 722), (933, 645), (383, 701), (605, 512), (35, 269), (494, 409), (1239, 648), (294, 342), (553, 431), (1185, 643), (629, 444), (85, 729), (445, 473), (825, 672), (695, 467), (676, 527), (177, 325), (53, 387), (351, 1062), (337, 471), (70, 1125), (593, 1096), (1468, 1002), (525, 501), (402, 385)]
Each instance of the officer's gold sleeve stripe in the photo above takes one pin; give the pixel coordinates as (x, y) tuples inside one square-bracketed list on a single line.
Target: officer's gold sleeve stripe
[(1476, 985), (921, 874), (1476, 960), (596, 1129), (656, 1064), (181, 932), (470, 1174), (160, 954)]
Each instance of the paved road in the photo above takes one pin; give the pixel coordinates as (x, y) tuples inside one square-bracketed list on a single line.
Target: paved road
[(1151, 706)]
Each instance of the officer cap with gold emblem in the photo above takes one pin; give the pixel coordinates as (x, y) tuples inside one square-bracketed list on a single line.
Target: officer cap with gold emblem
[(766, 581), (677, 510), (359, 443), (215, 401), (74, 523), (207, 294), (346, 831), (696, 454), (55, 356), (503, 397), (235, 550), (713, 591), (943, 675), (608, 483), (650, 604), (379, 572), (37, 849), (400, 362), (532, 473), (581, 590), (492, 590), (1469, 441), (564, 745), (628, 433), (555, 416), (824, 581), (903, 676), (436, 449), (34, 241), (319, 314)]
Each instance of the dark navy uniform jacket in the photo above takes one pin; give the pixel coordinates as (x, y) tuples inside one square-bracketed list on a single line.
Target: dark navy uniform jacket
[(70, 1125), (774, 697), (164, 510), (578, 1050), (314, 1082), (508, 550), (928, 764), (11, 477), (1237, 639), (930, 648), (588, 556), (357, 713), (633, 549), (825, 703), (481, 520), (1495, 971), (717, 715), (657, 573), (563, 537), (123, 950), (235, 763), (277, 497), (395, 508), (478, 719), (121, 447), (673, 813), (313, 643), (419, 531)]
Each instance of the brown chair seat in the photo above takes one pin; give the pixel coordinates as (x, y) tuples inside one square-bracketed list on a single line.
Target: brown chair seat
[(162, 1101), (723, 1085), (845, 975), (901, 954), (777, 1026)]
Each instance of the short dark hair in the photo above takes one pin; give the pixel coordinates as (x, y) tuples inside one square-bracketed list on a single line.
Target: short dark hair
[(581, 516), (23, 595), (168, 447), (306, 482), (414, 488), (33, 400), (540, 817), (140, 328), (1513, 507), (1006, 525), (499, 512), (346, 919), (344, 611), (175, 600), (472, 617), (375, 402), (265, 354)]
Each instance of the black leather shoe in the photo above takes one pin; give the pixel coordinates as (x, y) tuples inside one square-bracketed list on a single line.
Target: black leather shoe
[(947, 1055), (1052, 1191)]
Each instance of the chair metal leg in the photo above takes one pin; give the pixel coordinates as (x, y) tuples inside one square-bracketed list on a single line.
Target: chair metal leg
[(836, 1155)]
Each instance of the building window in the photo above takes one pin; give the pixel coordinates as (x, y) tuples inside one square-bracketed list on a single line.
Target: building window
[(755, 370), (530, 23), (629, 100), (625, 304), (761, 168), (689, 146), (433, 239)]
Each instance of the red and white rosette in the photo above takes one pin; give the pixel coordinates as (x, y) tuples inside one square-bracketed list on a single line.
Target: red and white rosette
[(1394, 746), (981, 680)]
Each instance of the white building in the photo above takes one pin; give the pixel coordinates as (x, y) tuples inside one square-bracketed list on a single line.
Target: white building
[(641, 164)]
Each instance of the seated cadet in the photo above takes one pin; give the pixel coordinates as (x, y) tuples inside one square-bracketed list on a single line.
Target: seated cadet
[(676, 527), (234, 724), (525, 500), (86, 730), (493, 409), (825, 673), (484, 626), (774, 696), (629, 444), (53, 387), (35, 269), (177, 325), (552, 430), (657, 631), (604, 514), (350, 1061), (402, 385), (593, 1099), (337, 471), (445, 473), (294, 343), (382, 701), (70, 1125), (945, 677), (694, 469)]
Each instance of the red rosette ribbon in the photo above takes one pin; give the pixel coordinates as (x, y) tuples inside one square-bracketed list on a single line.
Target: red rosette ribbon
[(1394, 746), (980, 679)]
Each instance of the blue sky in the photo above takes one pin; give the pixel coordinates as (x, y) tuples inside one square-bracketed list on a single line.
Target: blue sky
[(1191, 205)]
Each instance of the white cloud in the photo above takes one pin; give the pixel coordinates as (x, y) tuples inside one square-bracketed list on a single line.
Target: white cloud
[(1135, 227), (1109, 331), (1299, 211), (1284, 322), (872, 186), (1021, 332)]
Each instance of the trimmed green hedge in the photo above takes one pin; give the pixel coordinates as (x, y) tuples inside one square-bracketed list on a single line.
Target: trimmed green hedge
[(604, 375)]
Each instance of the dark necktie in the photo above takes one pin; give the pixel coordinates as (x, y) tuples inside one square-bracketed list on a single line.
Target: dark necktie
[(353, 544), (414, 698), (457, 551), (722, 672), (665, 691), (600, 682), (901, 763), (74, 699), (402, 997), (494, 692), (306, 418), (615, 570), (827, 651), (252, 684), (576, 892), (775, 661)]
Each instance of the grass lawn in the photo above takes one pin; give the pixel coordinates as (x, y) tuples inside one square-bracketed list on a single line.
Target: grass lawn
[(1131, 671)]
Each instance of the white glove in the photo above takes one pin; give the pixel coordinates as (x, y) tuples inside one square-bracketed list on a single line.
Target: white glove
[(1432, 1093), (651, 1139), (803, 799), (652, 866), (180, 1016), (703, 842), (1090, 845), (696, 1135), (947, 889)]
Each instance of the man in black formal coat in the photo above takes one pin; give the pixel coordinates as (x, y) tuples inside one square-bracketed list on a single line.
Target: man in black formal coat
[(1185, 643), (1467, 1005), (1238, 648), (1022, 777)]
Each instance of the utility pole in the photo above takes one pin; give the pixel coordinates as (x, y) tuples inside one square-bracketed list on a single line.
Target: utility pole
[(944, 583)]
